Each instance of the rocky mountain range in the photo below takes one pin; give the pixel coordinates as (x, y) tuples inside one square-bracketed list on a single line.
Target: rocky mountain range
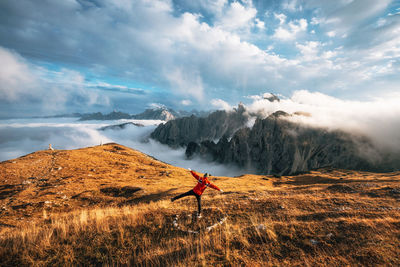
[(274, 145)]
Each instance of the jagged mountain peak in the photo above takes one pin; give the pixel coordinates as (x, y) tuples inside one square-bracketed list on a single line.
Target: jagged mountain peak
[(271, 97)]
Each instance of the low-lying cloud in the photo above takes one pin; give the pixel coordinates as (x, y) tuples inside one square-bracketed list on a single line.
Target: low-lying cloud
[(21, 137), (378, 119)]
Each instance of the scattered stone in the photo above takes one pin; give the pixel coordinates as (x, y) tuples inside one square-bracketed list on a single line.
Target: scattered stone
[(341, 188), (126, 191), (261, 227), (314, 242), (342, 208), (21, 206)]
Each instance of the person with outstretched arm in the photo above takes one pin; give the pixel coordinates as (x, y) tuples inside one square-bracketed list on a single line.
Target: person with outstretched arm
[(197, 191)]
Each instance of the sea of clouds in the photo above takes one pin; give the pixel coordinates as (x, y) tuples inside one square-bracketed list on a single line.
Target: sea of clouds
[(378, 119), (19, 137)]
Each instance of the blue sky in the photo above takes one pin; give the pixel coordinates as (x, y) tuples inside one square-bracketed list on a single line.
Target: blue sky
[(102, 55)]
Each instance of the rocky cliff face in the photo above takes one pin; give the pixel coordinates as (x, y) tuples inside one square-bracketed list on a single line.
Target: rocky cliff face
[(274, 145), (277, 146), (180, 132)]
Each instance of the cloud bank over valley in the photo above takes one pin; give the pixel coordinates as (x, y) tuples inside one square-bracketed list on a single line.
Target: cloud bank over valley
[(378, 119), (23, 136)]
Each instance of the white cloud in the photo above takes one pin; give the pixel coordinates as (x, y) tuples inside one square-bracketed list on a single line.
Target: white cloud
[(259, 24), (316, 21), (253, 97), (186, 102), (28, 84), (309, 50), (291, 30), (16, 77), (156, 105), (329, 54), (331, 33), (378, 118), (220, 104), (281, 18), (291, 5), (186, 83), (237, 17), (201, 58), (344, 16)]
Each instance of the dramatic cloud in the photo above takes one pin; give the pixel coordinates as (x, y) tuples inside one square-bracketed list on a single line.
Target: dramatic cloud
[(22, 83), (16, 77), (220, 104), (237, 17), (200, 50)]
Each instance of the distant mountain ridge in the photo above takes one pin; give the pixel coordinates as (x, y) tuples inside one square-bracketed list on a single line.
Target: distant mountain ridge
[(120, 126), (159, 113), (115, 115)]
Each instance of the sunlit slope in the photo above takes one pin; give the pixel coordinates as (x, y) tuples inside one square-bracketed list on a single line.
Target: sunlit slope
[(110, 205), (111, 174)]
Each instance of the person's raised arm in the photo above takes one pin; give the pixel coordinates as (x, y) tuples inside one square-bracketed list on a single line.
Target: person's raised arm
[(194, 174), (213, 186)]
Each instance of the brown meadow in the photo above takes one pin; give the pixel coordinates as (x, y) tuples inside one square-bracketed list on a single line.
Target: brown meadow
[(110, 205)]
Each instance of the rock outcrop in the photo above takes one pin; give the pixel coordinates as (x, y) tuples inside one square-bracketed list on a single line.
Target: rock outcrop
[(277, 146), (180, 132), (274, 145), (271, 97), (120, 126)]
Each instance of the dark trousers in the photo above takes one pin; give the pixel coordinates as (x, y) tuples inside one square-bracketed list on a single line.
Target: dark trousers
[(190, 193)]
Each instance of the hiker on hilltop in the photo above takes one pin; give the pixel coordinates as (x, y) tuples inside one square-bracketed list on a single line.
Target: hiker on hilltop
[(197, 191)]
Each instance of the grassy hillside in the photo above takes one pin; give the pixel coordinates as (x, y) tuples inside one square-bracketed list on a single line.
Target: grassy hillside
[(110, 205)]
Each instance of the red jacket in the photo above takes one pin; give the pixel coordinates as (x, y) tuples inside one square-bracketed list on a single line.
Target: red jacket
[(202, 184)]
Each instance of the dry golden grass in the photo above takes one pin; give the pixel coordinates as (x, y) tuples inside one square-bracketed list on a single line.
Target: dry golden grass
[(326, 217)]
